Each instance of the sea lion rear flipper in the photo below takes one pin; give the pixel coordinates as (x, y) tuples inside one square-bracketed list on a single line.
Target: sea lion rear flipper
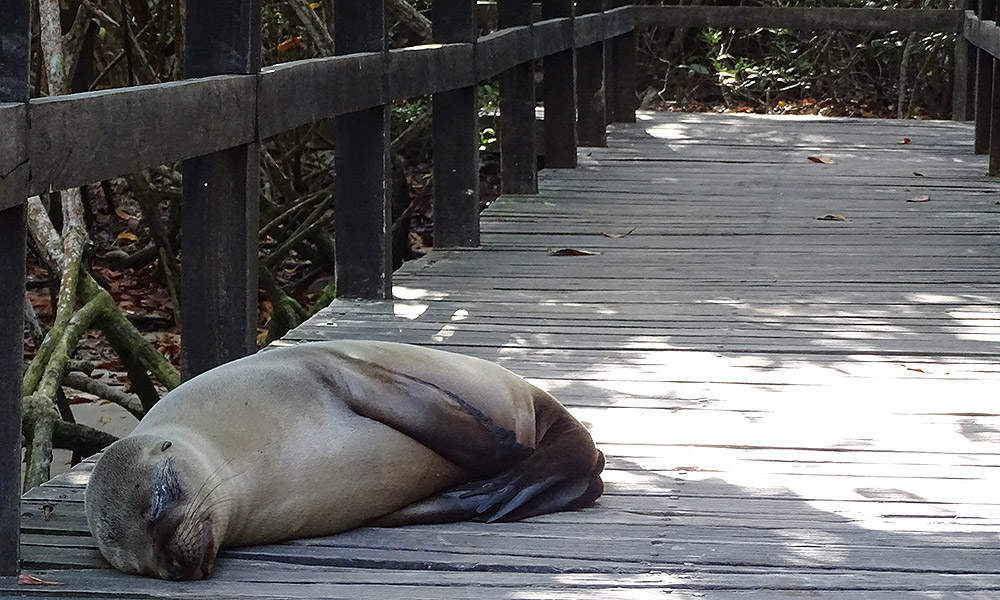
[(559, 475)]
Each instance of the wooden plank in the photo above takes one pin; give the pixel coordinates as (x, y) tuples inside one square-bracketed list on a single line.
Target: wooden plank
[(552, 35), (984, 29), (518, 164), (559, 92), (962, 71), (14, 94), (222, 37), (503, 50), (324, 88), (590, 88), (421, 70), (219, 265), (455, 136), (135, 128), (12, 282), (626, 101), (811, 18), (361, 195), (13, 154)]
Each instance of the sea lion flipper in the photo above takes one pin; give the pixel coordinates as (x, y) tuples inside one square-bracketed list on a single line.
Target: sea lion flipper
[(432, 415), (560, 475)]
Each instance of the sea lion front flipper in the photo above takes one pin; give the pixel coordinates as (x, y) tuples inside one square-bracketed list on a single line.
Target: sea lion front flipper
[(562, 474), (436, 417)]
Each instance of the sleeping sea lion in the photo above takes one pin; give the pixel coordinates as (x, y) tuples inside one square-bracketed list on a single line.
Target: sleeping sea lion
[(319, 438)]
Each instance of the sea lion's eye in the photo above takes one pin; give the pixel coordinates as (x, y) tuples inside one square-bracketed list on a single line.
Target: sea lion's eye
[(166, 444)]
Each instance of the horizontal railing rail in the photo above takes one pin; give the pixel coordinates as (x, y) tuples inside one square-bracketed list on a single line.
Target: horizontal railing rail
[(805, 18)]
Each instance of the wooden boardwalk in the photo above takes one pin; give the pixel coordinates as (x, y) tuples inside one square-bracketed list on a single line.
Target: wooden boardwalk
[(791, 407)]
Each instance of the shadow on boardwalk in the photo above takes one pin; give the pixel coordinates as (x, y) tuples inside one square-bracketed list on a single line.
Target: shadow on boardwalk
[(790, 406)]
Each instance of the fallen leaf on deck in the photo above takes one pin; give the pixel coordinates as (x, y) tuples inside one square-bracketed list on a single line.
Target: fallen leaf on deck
[(121, 212), (25, 579), (920, 198), (617, 235), (825, 159), (572, 252), (832, 217), (905, 141), (918, 174), (918, 370)]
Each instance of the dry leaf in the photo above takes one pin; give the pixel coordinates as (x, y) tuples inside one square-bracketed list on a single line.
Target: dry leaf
[(905, 141), (125, 235), (25, 579), (123, 214), (832, 217), (290, 43), (920, 199), (918, 370), (572, 252), (918, 174), (614, 235), (825, 159)]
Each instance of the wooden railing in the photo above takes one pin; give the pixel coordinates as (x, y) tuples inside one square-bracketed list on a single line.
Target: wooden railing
[(215, 121)]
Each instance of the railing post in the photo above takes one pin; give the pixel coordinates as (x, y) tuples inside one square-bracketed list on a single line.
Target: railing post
[(221, 196), (14, 49), (591, 125), (959, 83), (361, 206), (984, 83), (456, 137), (559, 96), (518, 156), (625, 101)]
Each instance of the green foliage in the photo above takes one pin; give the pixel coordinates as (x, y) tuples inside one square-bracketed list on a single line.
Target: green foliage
[(856, 73)]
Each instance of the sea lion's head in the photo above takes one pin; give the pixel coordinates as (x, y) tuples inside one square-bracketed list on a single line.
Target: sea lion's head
[(154, 510)]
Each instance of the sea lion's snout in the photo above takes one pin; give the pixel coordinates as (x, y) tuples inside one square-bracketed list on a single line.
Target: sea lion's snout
[(189, 554)]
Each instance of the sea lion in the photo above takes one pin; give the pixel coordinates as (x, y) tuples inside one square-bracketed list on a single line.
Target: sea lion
[(319, 438)]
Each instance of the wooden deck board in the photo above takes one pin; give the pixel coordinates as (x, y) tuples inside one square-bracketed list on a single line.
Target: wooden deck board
[(790, 407)]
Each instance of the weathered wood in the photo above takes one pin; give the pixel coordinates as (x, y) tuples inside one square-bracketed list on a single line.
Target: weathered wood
[(994, 136), (221, 195), (13, 154), (324, 88), (222, 37), (503, 50), (130, 129), (423, 70), (559, 92), (625, 100), (982, 33), (456, 137), (811, 18), (984, 74), (361, 197), (590, 89), (518, 164), (14, 56), (552, 35), (961, 72), (12, 234)]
